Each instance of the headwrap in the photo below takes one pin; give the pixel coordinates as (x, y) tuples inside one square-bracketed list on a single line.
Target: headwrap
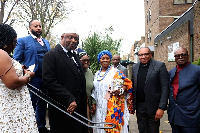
[(81, 54), (103, 53)]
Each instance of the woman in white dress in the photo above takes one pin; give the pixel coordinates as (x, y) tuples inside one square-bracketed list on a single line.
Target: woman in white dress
[(113, 95), (16, 111)]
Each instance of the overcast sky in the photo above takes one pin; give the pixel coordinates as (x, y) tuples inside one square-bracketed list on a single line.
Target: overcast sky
[(126, 17)]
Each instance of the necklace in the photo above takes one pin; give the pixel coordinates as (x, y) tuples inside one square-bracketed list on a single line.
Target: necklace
[(99, 77)]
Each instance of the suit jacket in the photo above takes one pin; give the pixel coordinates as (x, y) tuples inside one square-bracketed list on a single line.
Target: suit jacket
[(65, 83), (123, 69), (26, 53), (185, 109), (156, 86)]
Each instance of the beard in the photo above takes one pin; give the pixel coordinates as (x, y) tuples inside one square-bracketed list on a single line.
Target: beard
[(36, 34)]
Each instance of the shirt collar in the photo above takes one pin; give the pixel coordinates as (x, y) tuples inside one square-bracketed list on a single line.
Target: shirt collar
[(65, 50), (35, 36), (181, 68)]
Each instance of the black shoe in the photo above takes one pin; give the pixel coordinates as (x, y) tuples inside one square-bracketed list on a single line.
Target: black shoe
[(43, 130)]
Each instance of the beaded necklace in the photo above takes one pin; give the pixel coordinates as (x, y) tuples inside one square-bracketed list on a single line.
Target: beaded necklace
[(99, 77)]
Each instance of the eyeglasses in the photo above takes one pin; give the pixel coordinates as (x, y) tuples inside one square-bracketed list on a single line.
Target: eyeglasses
[(182, 55), (145, 54)]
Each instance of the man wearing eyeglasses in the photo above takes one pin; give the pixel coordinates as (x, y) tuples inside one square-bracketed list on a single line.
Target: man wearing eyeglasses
[(151, 89), (184, 98)]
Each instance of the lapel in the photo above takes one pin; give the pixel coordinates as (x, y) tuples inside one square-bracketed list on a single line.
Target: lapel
[(66, 59), (150, 70), (46, 43), (119, 66), (76, 59), (136, 67), (32, 44)]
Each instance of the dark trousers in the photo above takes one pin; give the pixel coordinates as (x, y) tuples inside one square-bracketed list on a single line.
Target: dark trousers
[(180, 129), (146, 123), (39, 105)]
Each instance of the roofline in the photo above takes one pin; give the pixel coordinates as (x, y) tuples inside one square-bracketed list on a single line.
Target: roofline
[(159, 36)]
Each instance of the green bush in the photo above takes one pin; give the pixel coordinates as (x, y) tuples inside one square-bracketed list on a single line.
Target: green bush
[(197, 62)]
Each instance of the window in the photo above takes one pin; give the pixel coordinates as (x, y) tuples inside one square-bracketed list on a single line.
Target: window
[(147, 2), (149, 14), (182, 1), (189, 1), (149, 34), (147, 18), (148, 37)]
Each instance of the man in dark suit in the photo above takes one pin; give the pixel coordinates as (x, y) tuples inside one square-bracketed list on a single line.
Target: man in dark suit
[(184, 98), (116, 64), (151, 89), (64, 80), (30, 50)]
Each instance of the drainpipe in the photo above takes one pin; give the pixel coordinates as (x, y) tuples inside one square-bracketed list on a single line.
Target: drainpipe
[(191, 45)]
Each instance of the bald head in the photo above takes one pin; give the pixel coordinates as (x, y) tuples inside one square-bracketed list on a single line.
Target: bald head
[(181, 56), (69, 40), (116, 60), (181, 48)]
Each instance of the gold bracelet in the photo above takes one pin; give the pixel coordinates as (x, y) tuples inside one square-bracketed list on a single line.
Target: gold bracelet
[(29, 76)]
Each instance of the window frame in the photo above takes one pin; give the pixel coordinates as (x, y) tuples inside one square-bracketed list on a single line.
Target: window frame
[(185, 2)]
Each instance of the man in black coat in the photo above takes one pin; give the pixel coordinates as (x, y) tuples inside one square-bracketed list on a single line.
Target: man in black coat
[(64, 80), (150, 82)]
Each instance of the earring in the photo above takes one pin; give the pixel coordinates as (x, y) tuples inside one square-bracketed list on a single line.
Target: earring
[(5, 46)]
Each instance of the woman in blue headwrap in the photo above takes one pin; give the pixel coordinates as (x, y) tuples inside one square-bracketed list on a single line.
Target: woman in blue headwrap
[(113, 95)]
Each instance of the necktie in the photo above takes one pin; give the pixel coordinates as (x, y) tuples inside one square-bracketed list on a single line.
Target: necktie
[(40, 41), (69, 53)]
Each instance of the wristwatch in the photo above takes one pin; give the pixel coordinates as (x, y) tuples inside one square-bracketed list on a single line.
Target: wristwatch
[(29, 76)]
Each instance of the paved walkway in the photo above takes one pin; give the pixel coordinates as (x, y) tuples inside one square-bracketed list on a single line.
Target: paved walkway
[(164, 124)]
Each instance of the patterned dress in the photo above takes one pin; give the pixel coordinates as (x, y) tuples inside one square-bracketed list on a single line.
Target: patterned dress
[(104, 111), (16, 111)]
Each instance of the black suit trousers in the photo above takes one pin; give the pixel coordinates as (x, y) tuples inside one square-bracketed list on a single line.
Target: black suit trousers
[(146, 122)]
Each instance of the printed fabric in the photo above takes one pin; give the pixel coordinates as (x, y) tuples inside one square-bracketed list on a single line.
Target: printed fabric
[(120, 106), (115, 105), (16, 110)]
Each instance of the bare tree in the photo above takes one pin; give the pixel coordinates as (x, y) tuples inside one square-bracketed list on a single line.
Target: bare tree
[(48, 12), (8, 7)]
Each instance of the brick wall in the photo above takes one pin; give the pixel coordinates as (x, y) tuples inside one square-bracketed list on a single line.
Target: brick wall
[(181, 35), (161, 10), (196, 21)]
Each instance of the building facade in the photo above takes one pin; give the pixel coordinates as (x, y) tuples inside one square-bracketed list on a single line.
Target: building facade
[(159, 14), (183, 32)]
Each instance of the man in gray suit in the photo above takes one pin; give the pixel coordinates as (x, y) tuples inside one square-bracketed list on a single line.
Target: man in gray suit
[(116, 64), (150, 82)]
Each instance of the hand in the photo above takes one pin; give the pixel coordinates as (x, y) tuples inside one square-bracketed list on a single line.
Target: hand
[(32, 74), (72, 107), (93, 109), (159, 114), (115, 92), (24, 67)]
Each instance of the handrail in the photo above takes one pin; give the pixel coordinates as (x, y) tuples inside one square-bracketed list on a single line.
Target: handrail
[(92, 123)]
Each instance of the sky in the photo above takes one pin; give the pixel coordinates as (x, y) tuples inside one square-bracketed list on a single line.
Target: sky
[(126, 17)]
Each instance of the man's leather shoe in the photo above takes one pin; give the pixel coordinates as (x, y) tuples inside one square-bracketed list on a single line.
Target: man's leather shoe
[(43, 130)]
